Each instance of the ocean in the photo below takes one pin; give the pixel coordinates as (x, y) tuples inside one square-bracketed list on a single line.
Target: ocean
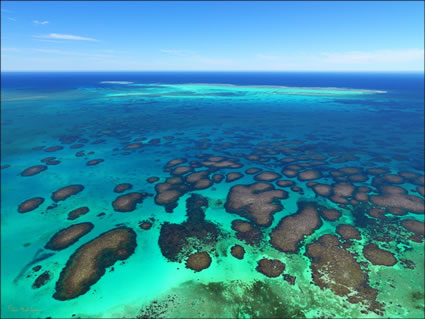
[(212, 194)]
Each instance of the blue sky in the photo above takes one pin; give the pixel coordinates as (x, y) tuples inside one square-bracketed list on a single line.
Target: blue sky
[(269, 36)]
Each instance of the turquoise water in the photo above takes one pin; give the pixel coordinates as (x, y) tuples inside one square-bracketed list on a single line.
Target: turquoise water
[(340, 126)]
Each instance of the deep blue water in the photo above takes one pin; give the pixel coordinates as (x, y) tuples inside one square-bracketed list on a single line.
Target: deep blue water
[(367, 80)]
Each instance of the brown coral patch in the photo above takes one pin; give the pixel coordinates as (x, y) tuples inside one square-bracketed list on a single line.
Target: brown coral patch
[(348, 232), (174, 180), (376, 171), (360, 196), (237, 251), (293, 167), (392, 179), (247, 232), (421, 190), (336, 173), (53, 148), (47, 159), (330, 214), (198, 261), (167, 196), (202, 184), (297, 189), (145, 225), (152, 179), (253, 157), (256, 202), (95, 162), (289, 173), (377, 181), (120, 188), (175, 162), (420, 181), (397, 211), (41, 280), (357, 178), (285, 183), (30, 204), (292, 229), (408, 175), (414, 226), (378, 256), (309, 175), (272, 268), (290, 279), (343, 189), (181, 170), (177, 239), (88, 263), (416, 238), (322, 189), (221, 162), (253, 170), (133, 146), (74, 214), (53, 162), (410, 203), (68, 236), (67, 191), (376, 212), (335, 268), (267, 176), (364, 189), (231, 177), (350, 170), (127, 203), (68, 139), (217, 178), (98, 141), (33, 170), (197, 176), (161, 187), (391, 189), (338, 199)]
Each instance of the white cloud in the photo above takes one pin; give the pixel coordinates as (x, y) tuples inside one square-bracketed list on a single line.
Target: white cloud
[(40, 22), (64, 37)]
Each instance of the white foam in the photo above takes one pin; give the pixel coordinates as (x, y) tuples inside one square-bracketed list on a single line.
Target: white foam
[(35, 97), (116, 82)]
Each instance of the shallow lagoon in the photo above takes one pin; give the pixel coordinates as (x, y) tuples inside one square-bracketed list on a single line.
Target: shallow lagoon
[(339, 130)]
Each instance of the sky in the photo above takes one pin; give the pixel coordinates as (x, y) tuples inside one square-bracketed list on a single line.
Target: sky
[(212, 35)]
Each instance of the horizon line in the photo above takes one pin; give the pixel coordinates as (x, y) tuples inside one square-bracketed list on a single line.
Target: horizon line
[(269, 71)]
